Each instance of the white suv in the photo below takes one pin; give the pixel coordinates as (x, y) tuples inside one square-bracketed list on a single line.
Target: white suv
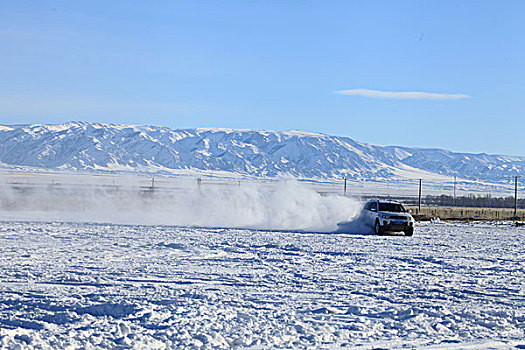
[(385, 216)]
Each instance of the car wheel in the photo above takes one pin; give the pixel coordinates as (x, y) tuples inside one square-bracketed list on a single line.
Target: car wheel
[(377, 228), (409, 231)]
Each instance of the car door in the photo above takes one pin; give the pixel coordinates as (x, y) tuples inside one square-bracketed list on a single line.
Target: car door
[(366, 213), (373, 214)]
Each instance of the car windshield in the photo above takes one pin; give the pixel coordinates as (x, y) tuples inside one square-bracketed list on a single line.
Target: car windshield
[(391, 207)]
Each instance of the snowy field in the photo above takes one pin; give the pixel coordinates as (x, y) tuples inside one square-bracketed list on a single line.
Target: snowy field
[(92, 286)]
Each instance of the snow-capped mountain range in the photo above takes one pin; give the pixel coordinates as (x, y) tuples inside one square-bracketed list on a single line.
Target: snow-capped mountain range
[(111, 147)]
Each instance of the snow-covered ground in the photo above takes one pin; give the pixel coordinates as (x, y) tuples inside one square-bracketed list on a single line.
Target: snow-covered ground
[(82, 285)]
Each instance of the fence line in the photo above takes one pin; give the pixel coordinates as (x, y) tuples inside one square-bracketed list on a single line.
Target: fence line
[(420, 192)]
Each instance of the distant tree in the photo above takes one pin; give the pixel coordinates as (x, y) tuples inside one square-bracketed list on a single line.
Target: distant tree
[(473, 201)]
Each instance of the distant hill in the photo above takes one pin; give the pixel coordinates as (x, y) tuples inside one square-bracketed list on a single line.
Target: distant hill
[(269, 154)]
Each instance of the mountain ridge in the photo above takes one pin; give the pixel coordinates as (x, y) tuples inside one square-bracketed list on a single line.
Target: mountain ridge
[(259, 153)]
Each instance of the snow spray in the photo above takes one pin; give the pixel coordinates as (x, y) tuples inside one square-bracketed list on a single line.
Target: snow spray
[(282, 205)]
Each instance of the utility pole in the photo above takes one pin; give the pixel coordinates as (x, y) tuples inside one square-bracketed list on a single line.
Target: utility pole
[(419, 202), (454, 202), (515, 196), (152, 183), (345, 186)]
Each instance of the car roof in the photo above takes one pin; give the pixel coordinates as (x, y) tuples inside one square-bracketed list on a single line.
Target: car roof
[(383, 201)]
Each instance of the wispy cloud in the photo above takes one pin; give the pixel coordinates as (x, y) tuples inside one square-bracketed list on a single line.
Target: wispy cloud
[(409, 95)]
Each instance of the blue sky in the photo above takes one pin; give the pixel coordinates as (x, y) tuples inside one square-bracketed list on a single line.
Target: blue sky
[(336, 67)]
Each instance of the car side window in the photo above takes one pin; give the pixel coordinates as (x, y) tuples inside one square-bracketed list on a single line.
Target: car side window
[(368, 206), (374, 206)]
